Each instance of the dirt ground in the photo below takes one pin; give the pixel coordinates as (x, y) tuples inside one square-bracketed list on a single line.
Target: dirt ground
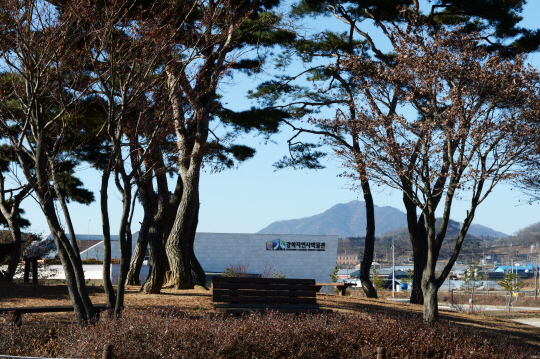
[(30, 295)]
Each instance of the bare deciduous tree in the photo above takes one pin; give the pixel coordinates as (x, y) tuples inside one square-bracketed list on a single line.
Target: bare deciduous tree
[(219, 34), (39, 110), (125, 46), (448, 119)]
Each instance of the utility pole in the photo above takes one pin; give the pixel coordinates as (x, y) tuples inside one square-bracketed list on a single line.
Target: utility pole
[(516, 280), (536, 277), (512, 271), (448, 279), (393, 269)]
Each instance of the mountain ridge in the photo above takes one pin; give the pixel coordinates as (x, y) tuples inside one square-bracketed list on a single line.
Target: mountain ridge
[(349, 220)]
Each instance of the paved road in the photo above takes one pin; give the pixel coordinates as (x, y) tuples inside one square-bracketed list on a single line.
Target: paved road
[(492, 308), (530, 321), (480, 308)]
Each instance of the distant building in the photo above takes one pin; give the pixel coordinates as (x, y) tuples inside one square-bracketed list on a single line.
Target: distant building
[(293, 255), (347, 259), (91, 246)]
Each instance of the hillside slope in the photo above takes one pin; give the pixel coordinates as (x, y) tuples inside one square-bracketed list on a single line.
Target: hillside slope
[(349, 220), (343, 219)]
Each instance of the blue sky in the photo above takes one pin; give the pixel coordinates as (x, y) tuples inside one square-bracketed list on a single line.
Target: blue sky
[(249, 198)]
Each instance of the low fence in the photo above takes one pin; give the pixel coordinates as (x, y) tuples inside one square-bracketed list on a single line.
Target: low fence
[(501, 293)]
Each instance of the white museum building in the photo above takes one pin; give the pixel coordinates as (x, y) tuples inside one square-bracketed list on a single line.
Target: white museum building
[(295, 256)]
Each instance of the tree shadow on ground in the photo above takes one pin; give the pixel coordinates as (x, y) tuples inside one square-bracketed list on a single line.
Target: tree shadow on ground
[(489, 326)]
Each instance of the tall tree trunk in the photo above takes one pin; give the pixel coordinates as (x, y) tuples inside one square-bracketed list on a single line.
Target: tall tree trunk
[(158, 262), (183, 233), (429, 288), (369, 246), (71, 282), (179, 263), (170, 218), (125, 238), (15, 258), (420, 257), (16, 254), (125, 255), (155, 208), (158, 259), (107, 282), (199, 277), (63, 205), (429, 281), (417, 235), (139, 253), (72, 267), (11, 216), (70, 258)]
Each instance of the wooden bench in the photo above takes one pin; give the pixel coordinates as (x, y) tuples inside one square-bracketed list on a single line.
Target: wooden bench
[(240, 295), (342, 287), (17, 312)]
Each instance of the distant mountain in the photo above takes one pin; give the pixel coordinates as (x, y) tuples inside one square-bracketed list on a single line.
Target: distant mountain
[(525, 236), (403, 245), (531, 229), (349, 220), (479, 230), (344, 219), (475, 230)]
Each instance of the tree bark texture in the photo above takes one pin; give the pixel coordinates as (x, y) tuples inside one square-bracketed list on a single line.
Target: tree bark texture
[(137, 259), (369, 246), (14, 260), (417, 235), (417, 296), (16, 254), (158, 261), (180, 242), (10, 214), (431, 306), (70, 258), (156, 207), (72, 267), (429, 282), (107, 282), (124, 235), (420, 259)]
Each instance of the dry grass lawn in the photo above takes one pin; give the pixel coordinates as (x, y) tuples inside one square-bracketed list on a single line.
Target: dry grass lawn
[(199, 299)]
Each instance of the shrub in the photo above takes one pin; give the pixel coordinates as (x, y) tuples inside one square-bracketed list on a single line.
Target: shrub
[(242, 270), (170, 333), (238, 270)]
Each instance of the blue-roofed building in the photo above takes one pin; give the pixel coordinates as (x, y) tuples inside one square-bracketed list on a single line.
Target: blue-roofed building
[(523, 271)]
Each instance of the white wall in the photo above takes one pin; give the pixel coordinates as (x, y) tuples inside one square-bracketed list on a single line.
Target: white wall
[(217, 251), (96, 251)]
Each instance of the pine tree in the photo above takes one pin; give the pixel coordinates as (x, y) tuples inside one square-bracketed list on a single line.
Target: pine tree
[(323, 54)]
